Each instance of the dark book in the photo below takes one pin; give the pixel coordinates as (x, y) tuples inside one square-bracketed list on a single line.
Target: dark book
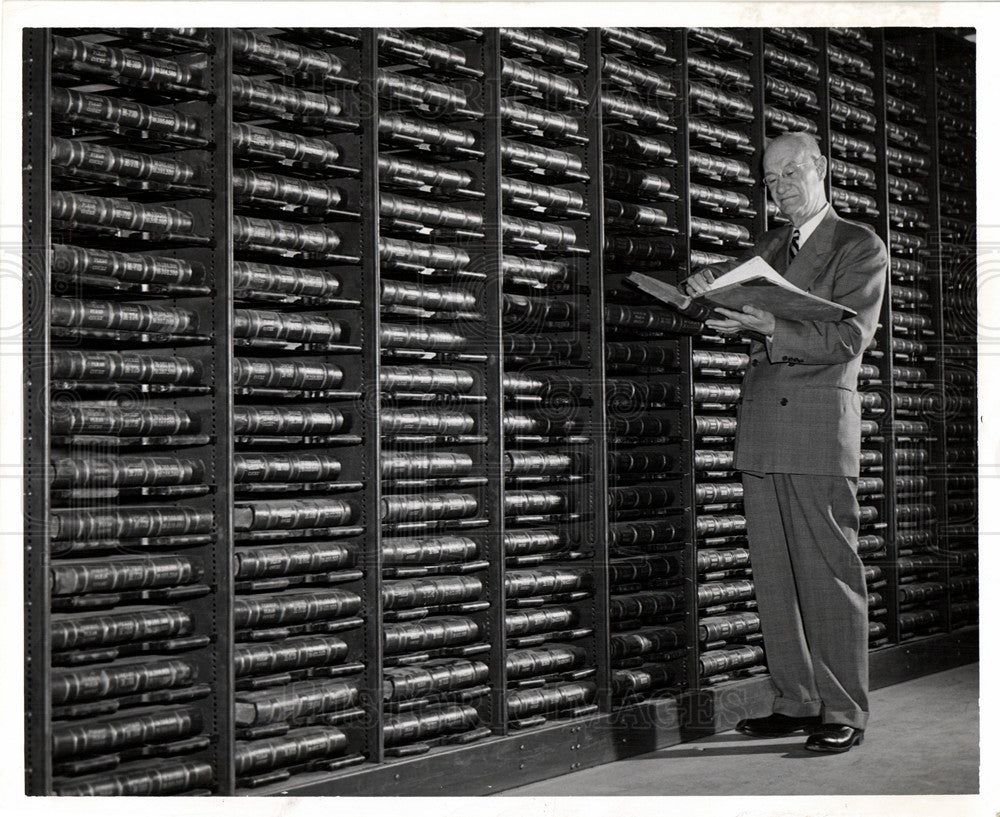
[(410, 508), (293, 748), (274, 99), (291, 560), (299, 700), (78, 208), (543, 661), (427, 551), (140, 269), (429, 592), (293, 608), (128, 64), (431, 721), (431, 677), (123, 163), (157, 777), (288, 654), (527, 583), (124, 678), (429, 634), (92, 109), (111, 734), (524, 702), (120, 573), (78, 632), (257, 142), (277, 54)]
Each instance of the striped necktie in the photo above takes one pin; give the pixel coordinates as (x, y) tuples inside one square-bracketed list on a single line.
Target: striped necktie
[(793, 247)]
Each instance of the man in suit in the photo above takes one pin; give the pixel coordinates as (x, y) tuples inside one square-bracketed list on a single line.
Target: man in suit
[(798, 447)]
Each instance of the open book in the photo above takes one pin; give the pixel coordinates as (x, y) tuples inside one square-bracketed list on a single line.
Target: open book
[(754, 282)]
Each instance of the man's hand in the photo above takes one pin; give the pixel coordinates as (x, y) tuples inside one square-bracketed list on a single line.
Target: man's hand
[(750, 319), (698, 282)]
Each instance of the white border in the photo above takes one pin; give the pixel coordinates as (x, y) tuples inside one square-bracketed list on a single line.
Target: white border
[(19, 13)]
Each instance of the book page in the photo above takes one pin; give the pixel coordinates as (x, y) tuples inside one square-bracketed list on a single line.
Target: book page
[(756, 267)]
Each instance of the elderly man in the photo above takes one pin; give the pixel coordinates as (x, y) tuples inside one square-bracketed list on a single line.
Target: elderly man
[(798, 448)]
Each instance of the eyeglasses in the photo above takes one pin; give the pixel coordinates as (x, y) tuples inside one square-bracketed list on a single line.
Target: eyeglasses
[(788, 174)]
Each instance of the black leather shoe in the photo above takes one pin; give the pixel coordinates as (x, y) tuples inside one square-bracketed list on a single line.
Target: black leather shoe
[(832, 737), (776, 725)]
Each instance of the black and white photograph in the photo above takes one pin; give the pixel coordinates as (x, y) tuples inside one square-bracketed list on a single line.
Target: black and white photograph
[(494, 406)]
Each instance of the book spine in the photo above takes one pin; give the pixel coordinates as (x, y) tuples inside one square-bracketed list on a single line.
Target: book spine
[(117, 733), (73, 686), (121, 422), (288, 654), (301, 700), (286, 374), (411, 726), (429, 634), (256, 185), (521, 583), (428, 551), (425, 379), (286, 560), (274, 53), (535, 502), (123, 163), (294, 608), (431, 677), (519, 543), (434, 94), (405, 508), (527, 622), (270, 98), (529, 701), (413, 421), (124, 63), (120, 213), (131, 523), (396, 336), (255, 141), (140, 269), (408, 171), (125, 367), (125, 471), (522, 663), (645, 642), (120, 628), (287, 514), (68, 578), (714, 593), (272, 420), (269, 234), (161, 778), (431, 592), (646, 605), (294, 747), (117, 315)]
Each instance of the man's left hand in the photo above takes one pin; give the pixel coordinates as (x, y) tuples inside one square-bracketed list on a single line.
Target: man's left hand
[(750, 319)]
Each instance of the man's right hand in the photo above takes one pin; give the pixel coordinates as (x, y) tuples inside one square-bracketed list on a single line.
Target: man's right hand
[(699, 282)]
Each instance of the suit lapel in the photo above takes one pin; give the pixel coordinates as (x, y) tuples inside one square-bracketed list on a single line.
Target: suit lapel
[(811, 259)]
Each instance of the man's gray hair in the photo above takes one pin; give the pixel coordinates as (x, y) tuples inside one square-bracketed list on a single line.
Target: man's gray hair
[(805, 142)]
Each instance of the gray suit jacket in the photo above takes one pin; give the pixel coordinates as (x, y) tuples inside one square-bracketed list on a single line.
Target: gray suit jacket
[(799, 411)]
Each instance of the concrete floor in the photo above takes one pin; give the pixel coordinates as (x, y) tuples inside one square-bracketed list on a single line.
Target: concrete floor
[(922, 738)]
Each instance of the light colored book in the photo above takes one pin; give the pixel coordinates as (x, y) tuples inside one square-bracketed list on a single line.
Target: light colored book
[(755, 283)]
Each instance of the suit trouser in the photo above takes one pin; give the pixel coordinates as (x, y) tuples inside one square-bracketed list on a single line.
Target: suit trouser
[(811, 595)]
